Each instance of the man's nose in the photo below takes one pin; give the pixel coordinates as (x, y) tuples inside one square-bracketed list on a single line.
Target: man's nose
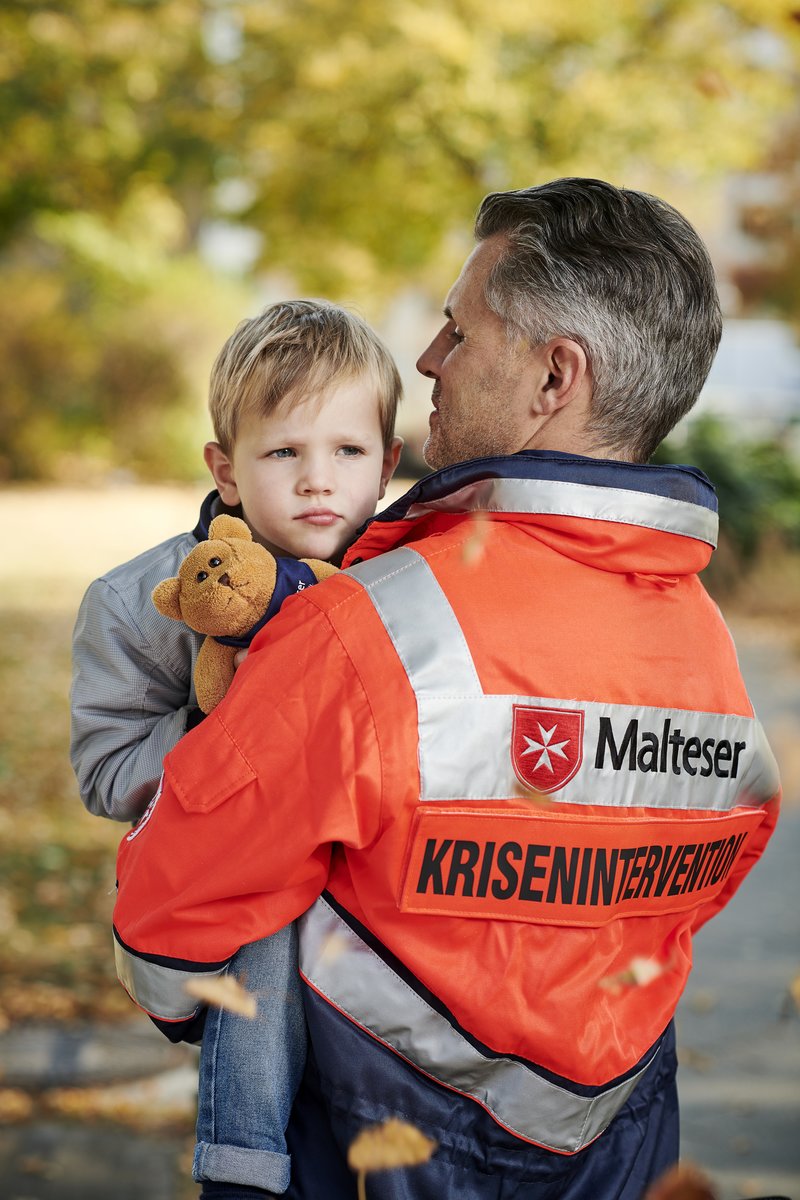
[(430, 361)]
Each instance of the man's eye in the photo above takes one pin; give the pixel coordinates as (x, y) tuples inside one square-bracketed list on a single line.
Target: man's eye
[(214, 562), (456, 334), (201, 575)]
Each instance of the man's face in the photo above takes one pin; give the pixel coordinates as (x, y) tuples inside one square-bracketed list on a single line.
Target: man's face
[(483, 381)]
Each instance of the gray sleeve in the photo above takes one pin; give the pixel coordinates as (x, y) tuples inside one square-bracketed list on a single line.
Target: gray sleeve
[(131, 695)]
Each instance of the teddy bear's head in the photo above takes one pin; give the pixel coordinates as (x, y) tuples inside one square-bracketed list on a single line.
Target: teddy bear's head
[(224, 585)]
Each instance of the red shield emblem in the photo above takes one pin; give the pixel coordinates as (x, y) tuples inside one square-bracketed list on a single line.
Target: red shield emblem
[(546, 746)]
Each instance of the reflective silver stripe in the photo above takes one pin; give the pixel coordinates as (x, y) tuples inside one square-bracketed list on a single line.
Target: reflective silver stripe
[(465, 754), (562, 498), (159, 990), (359, 983), (465, 736), (402, 586)]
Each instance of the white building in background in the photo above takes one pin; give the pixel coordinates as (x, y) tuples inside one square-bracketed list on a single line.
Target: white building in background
[(755, 379)]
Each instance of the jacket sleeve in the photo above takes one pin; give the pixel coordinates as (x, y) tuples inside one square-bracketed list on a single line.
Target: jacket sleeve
[(130, 703), (238, 842), (752, 853)]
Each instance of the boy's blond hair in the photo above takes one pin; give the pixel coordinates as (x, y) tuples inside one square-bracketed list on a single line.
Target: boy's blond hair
[(294, 349)]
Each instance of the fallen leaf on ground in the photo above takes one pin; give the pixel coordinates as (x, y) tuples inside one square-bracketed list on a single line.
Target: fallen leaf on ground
[(223, 991), (794, 991), (15, 1105)]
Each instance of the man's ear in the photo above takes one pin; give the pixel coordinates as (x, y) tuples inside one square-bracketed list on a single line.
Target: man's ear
[(221, 467), (563, 374), (391, 457)]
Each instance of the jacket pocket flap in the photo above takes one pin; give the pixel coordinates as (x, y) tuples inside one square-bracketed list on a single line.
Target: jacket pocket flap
[(207, 767)]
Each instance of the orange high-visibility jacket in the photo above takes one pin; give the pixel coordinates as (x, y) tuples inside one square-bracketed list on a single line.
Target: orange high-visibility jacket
[(516, 753)]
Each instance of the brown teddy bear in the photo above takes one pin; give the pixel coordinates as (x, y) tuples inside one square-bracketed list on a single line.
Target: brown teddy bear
[(228, 588)]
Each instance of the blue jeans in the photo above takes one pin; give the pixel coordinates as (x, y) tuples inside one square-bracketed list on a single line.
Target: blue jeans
[(250, 1070)]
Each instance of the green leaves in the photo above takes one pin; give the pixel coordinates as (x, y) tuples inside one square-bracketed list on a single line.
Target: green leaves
[(369, 131)]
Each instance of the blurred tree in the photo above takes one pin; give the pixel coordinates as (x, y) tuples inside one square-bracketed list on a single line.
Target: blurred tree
[(372, 129), (757, 484), (355, 137), (99, 98), (106, 343), (772, 282)]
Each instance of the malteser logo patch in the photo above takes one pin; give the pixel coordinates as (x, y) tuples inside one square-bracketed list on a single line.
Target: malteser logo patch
[(546, 746)]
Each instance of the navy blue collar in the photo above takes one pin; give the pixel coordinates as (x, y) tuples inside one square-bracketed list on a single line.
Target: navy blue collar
[(212, 507), (675, 482)]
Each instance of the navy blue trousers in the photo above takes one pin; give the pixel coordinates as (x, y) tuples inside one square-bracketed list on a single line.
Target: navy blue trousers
[(352, 1081)]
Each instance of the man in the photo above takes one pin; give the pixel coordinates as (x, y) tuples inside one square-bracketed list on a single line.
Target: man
[(510, 744)]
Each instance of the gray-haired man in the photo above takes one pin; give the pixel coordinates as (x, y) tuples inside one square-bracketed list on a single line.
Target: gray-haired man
[(517, 768)]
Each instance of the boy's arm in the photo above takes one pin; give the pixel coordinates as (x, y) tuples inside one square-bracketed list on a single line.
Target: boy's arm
[(238, 842), (130, 699)]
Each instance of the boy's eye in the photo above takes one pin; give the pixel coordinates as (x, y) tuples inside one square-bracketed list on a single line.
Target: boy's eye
[(350, 451), (284, 452)]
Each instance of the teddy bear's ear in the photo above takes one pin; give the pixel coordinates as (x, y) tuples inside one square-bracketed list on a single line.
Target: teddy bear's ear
[(166, 597), (226, 527)]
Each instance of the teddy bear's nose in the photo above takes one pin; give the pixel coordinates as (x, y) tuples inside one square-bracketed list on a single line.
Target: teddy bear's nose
[(225, 579)]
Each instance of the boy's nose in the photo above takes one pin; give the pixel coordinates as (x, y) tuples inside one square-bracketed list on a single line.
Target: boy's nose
[(316, 479)]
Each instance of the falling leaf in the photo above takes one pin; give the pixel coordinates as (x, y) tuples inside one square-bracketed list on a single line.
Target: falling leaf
[(475, 541), (395, 1143), (684, 1182), (531, 796), (333, 947), (710, 83), (223, 991), (639, 972)]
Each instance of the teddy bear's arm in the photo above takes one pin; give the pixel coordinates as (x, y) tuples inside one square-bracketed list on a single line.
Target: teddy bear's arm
[(213, 673)]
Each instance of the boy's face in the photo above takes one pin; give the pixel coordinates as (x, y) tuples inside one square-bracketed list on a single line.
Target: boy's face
[(308, 475)]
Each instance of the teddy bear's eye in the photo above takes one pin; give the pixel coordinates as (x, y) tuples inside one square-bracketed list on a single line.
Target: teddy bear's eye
[(214, 562), (201, 575)]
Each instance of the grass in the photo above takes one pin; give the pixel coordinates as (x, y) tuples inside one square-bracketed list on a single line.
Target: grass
[(57, 861)]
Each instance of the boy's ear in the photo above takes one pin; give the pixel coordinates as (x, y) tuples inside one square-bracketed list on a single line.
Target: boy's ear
[(391, 457), (221, 469)]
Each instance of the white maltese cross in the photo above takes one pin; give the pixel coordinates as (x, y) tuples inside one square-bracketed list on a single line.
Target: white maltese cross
[(547, 747)]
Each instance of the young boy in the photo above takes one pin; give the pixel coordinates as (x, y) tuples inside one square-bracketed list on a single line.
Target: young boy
[(303, 400)]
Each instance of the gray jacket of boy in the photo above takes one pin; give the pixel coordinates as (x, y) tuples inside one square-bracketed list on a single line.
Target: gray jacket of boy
[(132, 695)]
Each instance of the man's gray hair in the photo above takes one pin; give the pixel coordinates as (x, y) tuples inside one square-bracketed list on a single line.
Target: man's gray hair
[(627, 277)]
